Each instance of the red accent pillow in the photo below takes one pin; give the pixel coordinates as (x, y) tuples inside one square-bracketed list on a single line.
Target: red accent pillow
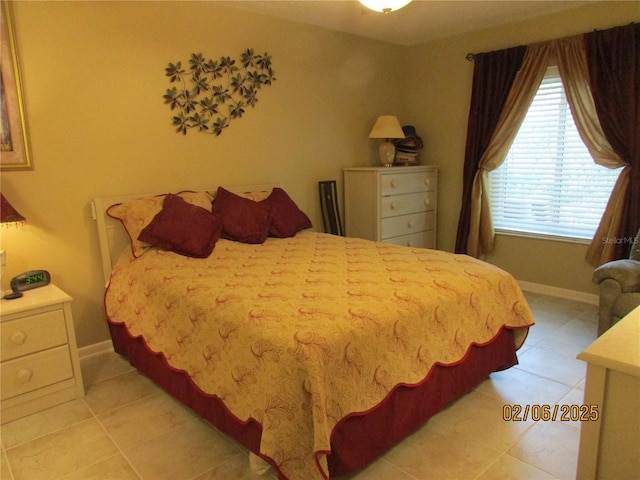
[(183, 228), (243, 220), (286, 218)]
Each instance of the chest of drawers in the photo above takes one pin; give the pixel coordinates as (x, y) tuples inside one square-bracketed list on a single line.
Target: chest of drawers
[(39, 365), (392, 204)]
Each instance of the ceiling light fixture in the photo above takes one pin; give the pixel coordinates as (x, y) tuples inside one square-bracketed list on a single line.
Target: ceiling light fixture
[(385, 6)]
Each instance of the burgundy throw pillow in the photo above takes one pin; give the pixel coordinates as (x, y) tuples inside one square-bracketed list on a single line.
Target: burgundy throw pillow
[(243, 220), (183, 228), (286, 218)]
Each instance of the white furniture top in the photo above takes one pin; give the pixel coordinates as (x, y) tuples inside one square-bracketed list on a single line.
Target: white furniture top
[(47, 295), (618, 348), (398, 169)]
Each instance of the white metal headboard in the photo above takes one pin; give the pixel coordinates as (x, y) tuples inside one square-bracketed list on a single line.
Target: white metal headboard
[(113, 238)]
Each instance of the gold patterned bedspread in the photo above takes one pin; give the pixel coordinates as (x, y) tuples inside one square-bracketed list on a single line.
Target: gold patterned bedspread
[(297, 333)]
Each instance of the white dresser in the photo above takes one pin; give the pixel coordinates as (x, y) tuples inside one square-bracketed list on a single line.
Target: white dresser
[(392, 204), (39, 359), (610, 443)]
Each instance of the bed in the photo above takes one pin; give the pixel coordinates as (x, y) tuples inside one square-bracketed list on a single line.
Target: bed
[(316, 352)]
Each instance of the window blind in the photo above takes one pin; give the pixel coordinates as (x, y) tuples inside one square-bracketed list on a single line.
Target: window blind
[(549, 183)]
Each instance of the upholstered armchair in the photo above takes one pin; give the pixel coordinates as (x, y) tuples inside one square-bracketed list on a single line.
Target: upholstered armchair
[(619, 283)]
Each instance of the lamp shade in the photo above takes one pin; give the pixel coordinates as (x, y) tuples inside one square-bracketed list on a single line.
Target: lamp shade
[(386, 126), (8, 214), (385, 6)]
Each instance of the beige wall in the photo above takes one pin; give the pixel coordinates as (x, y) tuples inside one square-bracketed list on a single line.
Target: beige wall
[(93, 75)]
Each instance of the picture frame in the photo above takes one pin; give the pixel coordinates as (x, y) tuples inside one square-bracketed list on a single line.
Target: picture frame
[(15, 151)]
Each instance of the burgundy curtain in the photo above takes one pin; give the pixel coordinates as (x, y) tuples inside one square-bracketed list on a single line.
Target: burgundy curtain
[(613, 58), (493, 76)]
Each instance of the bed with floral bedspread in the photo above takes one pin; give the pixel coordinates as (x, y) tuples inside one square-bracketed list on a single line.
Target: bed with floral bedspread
[(288, 343)]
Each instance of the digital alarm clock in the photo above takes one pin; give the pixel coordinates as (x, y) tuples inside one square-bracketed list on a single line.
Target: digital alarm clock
[(29, 280)]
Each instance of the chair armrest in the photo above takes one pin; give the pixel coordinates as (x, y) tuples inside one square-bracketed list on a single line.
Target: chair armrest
[(625, 272)]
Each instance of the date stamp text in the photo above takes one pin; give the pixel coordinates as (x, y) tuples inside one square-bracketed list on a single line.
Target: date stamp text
[(545, 413)]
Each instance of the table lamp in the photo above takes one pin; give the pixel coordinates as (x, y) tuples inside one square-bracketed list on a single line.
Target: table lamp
[(387, 127), (9, 216)]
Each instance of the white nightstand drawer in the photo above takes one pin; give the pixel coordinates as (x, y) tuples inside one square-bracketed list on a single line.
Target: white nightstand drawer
[(395, 183), (409, 203), (426, 239), (32, 333), (35, 371), (407, 224)]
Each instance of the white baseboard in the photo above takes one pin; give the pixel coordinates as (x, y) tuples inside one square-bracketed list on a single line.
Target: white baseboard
[(95, 349), (565, 293)]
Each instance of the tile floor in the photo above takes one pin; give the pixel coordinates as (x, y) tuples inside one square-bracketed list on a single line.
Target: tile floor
[(127, 428)]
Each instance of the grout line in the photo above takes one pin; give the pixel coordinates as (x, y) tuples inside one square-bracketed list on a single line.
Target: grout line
[(120, 450)]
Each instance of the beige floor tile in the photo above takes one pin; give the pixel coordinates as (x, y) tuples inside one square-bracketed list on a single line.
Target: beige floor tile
[(546, 325), (480, 417), (119, 391), (236, 468), (112, 468), (560, 307), (102, 366), (44, 422), (5, 471), (510, 468), (381, 469), (438, 452), (550, 446), (573, 337), (570, 407), (61, 452), (517, 386), (548, 363), (181, 453), (143, 419)]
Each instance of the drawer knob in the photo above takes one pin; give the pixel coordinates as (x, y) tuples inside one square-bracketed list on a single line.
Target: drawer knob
[(427, 181), (24, 374), (409, 223), (427, 202), (18, 337), (392, 184), (392, 206)]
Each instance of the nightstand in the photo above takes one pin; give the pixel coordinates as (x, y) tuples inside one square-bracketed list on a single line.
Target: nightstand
[(392, 204), (39, 358)]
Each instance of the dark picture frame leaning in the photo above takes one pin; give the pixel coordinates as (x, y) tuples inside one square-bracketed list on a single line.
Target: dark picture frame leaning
[(15, 153)]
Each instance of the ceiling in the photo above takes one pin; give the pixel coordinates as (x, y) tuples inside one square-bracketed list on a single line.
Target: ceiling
[(418, 22)]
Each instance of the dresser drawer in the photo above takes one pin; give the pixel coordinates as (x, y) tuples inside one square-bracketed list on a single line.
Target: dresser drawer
[(407, 224), (35, 371), (32, 333), (426, 239), (396, 183), (409, 203)]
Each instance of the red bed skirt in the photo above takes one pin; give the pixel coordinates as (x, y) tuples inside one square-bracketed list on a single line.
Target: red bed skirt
[(358, 439)]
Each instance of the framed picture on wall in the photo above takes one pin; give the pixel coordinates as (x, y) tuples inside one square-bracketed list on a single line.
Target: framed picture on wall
[(14, 141)]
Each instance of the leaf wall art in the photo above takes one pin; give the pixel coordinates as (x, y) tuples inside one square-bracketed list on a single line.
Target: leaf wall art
[(211, 93)]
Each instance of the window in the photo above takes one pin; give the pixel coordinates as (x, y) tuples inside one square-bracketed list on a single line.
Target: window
[(549, 184)]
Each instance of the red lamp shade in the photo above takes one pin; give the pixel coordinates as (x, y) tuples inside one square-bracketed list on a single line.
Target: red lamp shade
[(8, 214)]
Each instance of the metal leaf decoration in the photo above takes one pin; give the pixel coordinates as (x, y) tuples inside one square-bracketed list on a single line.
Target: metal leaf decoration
[(211, 93)]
